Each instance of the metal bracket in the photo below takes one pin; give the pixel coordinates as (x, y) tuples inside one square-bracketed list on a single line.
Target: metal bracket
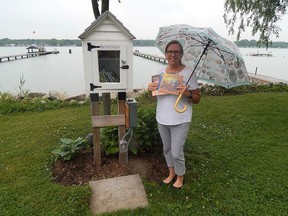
[(125, 67), (92, 87), (90, 46)]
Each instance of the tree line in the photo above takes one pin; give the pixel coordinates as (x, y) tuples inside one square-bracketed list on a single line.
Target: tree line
[(47, 42), (77, 42), (254, 43), (62, 42)]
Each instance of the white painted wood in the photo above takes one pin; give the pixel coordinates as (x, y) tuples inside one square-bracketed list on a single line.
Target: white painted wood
[(110, 34)]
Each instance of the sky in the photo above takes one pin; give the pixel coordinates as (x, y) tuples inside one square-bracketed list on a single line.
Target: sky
[(67, 19)]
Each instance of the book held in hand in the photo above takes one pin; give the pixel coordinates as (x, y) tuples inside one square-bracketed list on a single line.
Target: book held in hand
[(157, 79), (167, 83)]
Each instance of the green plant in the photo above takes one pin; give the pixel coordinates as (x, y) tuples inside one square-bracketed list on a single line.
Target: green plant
[(6, 97), (109, 140), (215, 90), (10, 104), (68, 148), (146, 132), (22, 92)]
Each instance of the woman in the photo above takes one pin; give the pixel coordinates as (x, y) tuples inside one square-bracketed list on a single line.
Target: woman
[(173, 126)]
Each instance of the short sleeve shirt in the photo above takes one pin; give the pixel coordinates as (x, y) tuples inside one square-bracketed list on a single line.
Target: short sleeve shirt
[(165, 112)]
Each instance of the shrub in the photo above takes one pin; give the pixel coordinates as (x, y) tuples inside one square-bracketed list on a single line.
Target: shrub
[(6, 97), (146, 133), (214, 90), (11, 104)]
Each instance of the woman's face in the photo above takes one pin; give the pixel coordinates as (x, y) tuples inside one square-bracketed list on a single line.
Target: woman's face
[(173, 54)]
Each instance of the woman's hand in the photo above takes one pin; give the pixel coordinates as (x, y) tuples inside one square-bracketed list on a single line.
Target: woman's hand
[(195, 95), (184, 90), (152, 86)]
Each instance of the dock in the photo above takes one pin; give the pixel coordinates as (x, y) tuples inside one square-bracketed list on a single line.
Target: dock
[(25, 55), (254, 78), (269, 54), (262, 79), (151, 57), (262, 54)]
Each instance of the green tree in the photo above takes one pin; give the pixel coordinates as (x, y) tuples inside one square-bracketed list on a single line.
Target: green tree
[(53, 42), (261, 15)]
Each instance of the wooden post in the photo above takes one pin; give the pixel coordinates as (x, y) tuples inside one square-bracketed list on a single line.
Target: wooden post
[(123, 157), (94, 98), (106, 98), (108, 120)]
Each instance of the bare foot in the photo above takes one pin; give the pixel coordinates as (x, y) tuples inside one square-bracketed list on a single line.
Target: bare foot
[(171, 176), (168, 179), (179, 182)]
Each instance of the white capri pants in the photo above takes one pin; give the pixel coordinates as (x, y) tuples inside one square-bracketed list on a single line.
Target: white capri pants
[(173, 138)]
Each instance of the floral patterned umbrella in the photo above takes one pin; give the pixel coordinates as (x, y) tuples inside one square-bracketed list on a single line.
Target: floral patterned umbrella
[(213, 58)]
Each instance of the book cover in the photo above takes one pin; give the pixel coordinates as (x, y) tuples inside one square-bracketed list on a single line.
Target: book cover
[(157, 79), (169, 83)]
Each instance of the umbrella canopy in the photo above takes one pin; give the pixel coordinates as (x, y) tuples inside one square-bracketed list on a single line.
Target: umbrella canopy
[(213, 58)]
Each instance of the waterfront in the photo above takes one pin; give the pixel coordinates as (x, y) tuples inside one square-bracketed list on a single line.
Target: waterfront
[(64, 72)]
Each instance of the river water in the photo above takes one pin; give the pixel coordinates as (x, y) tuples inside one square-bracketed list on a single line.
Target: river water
[(64, 72)]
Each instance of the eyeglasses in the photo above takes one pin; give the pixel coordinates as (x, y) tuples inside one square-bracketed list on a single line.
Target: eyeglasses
[(175, 52)]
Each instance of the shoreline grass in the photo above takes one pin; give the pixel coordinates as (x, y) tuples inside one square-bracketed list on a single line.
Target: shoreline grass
[(236, 156)]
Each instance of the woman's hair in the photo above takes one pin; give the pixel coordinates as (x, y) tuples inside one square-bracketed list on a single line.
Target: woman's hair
[(175, 42)]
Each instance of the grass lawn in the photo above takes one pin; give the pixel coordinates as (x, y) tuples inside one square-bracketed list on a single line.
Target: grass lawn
[(236, 156)]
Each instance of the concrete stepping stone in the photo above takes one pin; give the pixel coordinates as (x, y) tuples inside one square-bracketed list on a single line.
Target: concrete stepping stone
[(125, 192)]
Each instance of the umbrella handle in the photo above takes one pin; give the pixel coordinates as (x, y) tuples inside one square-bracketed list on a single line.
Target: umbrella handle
[(176, 104)]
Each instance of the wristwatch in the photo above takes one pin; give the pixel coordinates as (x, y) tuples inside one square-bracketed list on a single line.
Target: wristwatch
[(190, 95)]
